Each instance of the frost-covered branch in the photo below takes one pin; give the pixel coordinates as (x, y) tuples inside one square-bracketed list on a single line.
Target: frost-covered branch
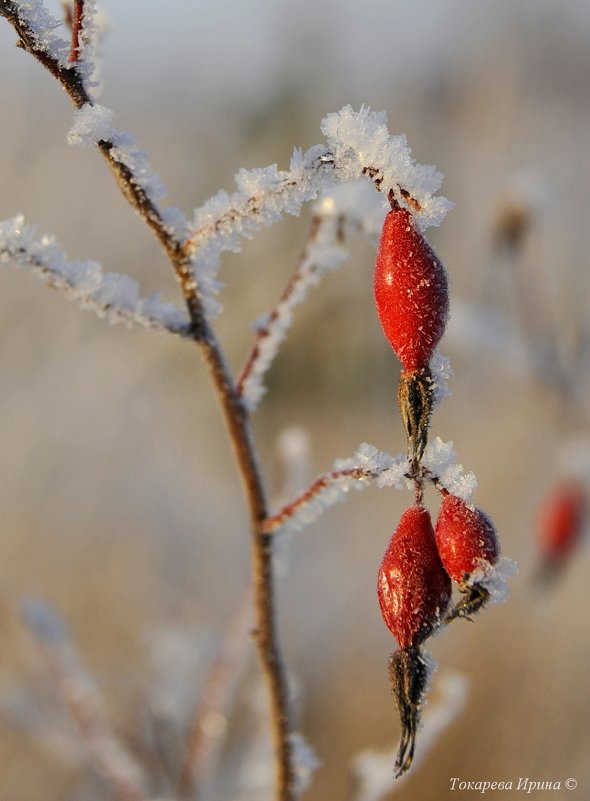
[(113, 296), (81, 697), (77, 18), (321, 253), (371, 467), (353, 205), (367, 467), (36, 31), (88, 27), (358, 145)]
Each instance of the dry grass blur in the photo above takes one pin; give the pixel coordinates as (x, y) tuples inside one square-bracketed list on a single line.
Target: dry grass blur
[(119, 500)]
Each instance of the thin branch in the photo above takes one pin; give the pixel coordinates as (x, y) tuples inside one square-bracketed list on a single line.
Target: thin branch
[(77, 20), (113, 296), (209, 728), (368, 467), (234, 412), (72, 81), (80, 696), (337, 483), (320, 254)]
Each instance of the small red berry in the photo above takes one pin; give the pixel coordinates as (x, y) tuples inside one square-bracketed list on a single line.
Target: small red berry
[(414, 592), (467, 543), (465, 537), (561, 523), (411, 291), (413, 588)]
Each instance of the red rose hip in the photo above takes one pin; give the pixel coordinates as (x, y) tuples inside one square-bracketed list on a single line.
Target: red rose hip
[(411, 290), (414, 592), (413, 587), (468, 546)]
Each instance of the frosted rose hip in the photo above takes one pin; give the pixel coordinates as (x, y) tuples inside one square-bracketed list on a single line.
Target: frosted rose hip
[(466, 538), (414, 592), (411, 291), (413, 588)]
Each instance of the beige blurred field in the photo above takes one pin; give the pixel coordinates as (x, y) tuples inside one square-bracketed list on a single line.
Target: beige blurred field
[(119, 500)]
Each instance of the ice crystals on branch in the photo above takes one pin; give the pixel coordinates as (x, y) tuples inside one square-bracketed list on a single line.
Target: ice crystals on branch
[(94, 26), (94, 123), (263, 196), (361, 145), (110, 295), (352, 205), (34, 16), (305, 762), (440, 459), (368, 467)]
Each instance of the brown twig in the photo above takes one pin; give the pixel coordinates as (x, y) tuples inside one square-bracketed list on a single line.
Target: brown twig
[(236, 416), (273, 523), (207, 734), (77, 22), (265, 331)]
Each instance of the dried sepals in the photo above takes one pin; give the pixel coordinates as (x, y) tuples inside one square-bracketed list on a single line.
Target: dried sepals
[(409, 672), (411, 290), (415, 397), (468, 546)]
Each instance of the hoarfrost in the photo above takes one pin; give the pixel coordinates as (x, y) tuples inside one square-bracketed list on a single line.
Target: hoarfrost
[(360, 142), (110, 295), (368, 467), (93, 123), (34, 15), (263, 196), (495, 578), (441, 371), (441, 460), (305, 762), (94, 27), (359, 145)]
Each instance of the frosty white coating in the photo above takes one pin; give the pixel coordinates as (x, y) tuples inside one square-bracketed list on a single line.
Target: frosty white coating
[(110, 295)]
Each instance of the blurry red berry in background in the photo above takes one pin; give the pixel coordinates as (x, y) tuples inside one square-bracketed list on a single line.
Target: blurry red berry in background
[(413, 587), (561, 521), (411, 291)]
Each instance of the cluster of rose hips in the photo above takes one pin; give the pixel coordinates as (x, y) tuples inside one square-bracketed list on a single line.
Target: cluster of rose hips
[(414, 585)]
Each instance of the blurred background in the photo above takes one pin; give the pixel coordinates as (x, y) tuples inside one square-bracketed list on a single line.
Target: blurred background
[(119, 500)]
